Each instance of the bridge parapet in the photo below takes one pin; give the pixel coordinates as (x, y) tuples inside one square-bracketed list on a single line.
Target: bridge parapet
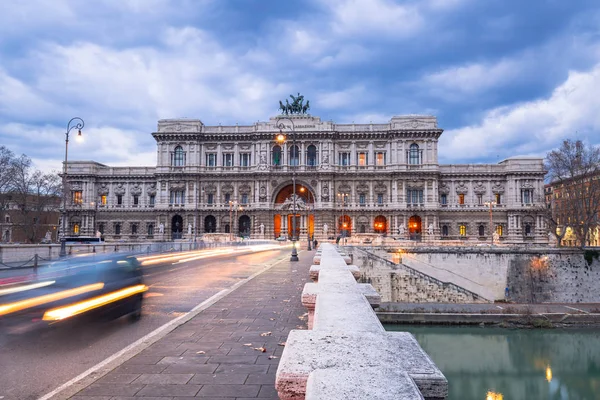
[(347, 354)]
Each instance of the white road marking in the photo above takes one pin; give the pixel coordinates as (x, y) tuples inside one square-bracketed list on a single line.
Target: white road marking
[(110, 363), (577, 309)]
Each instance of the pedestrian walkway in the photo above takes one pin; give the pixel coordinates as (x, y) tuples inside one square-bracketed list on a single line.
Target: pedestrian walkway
[(230, 350)]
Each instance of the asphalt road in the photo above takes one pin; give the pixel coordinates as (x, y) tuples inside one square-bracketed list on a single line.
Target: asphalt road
[(36, 362)]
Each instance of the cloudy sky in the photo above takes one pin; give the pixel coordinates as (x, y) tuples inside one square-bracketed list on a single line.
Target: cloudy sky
[(504, 77)]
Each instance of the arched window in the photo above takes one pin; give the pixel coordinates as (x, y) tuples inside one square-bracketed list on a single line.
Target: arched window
[(178, 157), (462, 230), (414, 154), (363, 228), (499, 230), (276, 155), (311, 155), (527, 230), (481, 230), (445, 230), (294, 156), (76, 229)]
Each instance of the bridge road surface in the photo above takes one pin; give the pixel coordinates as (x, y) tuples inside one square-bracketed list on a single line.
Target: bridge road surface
[(36, 362)]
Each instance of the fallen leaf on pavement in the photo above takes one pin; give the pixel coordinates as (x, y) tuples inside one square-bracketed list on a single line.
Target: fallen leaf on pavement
[(200, 352), (248, 344), (265, 334), (261, 349), (272, 357), (271, 319), (281, 344)]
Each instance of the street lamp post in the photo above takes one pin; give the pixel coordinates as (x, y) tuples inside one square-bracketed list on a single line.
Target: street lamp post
[(308, 196), (281, 138), (491, 203), (77, 123)]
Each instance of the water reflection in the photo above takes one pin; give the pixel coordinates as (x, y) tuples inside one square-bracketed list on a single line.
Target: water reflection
[(489, 363)]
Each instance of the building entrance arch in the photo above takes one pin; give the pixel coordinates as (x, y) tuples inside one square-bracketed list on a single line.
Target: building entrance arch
[(244, 226), (176, 227), (380, 224), (414, 227), (345, 226), (285, 220), (210, 224)]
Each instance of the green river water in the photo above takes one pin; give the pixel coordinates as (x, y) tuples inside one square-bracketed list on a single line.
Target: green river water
[(503, 364)]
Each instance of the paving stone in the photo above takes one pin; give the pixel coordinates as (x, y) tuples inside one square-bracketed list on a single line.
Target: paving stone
[(169, 390), (220, 379), (118, 378), (111, 389), (157, 379), (230, 390), (261, 379)]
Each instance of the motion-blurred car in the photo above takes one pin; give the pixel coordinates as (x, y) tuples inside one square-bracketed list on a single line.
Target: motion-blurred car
[(109, 286)]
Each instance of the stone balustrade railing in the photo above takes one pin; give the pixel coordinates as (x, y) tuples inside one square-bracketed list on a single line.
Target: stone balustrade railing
[(347, 354)]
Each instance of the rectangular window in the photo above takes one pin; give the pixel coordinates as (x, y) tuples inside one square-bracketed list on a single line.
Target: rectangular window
[(210, 198), (499, 230), (117, 229), (211, 159), (134, 229), (380, 198), (498, 198), (380, 158), (362, 198), (526, 196), (414, 196), (78, 197), (101, 227), (461, 198), (136, 200), (150, 230), (120, 199), (227, 197), (344, 159), (363, 159), (463, 230), (228, 159), (152, 200), (480, 199), (103, 200), (244, 198), (177, 197), (444, 199), (245, 160)]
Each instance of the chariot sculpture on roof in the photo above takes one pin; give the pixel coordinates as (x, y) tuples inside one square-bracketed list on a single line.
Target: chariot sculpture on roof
[(297, 106)]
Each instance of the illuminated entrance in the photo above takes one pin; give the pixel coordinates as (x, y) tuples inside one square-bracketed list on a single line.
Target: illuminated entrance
[(283, 220), (414, 227), (345, 226)]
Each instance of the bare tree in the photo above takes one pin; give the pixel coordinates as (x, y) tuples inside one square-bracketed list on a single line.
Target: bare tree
[(574, 173), (37, 194), (6, 174)]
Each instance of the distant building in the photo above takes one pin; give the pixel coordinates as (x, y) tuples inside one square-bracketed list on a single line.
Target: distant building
[(561, 199), (34, 220), (352, 180)]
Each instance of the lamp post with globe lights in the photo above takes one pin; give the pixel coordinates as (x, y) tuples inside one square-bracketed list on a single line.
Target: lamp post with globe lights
[(281, 139), (74, 123)]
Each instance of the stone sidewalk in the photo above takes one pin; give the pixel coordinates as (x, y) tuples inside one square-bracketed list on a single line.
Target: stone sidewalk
[(230, 350)]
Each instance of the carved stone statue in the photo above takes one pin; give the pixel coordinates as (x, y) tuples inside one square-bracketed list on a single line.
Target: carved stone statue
[(325, 228), (161, 228), (98, 234), (430, 230), (402, 230), (495, 237), (297, 106), (262, 229), (263, 159), (48, 236), (189, 229)]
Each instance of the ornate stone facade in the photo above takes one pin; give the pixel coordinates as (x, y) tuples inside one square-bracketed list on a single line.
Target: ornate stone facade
[(352, 179)]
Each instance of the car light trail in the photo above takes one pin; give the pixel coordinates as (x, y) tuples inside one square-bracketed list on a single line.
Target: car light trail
[(48, 298), (61, 313), (25, 287)]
